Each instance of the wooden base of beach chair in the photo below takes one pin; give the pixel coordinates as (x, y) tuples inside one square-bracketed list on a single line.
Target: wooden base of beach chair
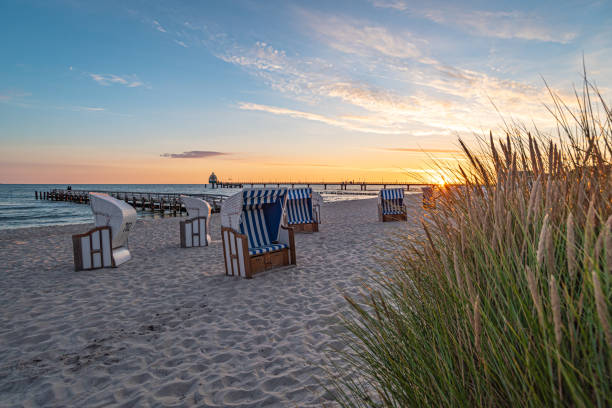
[(270, 260), (193, 232), (394, 217), (92, 250), (238, 262), (306, 228)]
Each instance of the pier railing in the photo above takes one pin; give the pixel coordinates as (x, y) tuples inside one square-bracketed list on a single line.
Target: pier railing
[(144, 201), (342, 185)]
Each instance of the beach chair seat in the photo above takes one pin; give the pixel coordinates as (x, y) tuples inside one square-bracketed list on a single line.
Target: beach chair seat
[(302, 212), (254, 239), (106, 245), (267, 248), (391, 206), (194, 231)]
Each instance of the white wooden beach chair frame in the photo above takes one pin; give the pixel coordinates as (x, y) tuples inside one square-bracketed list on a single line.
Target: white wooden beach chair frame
[(194, 231), (94, 248)]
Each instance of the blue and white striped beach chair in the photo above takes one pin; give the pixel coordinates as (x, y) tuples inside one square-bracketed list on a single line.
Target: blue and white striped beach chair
[(254, 239), (302, 212), (391, 205)]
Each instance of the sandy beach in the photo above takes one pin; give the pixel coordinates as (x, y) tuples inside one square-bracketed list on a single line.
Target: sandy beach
[(169, 328)]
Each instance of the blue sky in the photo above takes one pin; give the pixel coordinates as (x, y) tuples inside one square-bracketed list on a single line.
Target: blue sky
[(118, 91)]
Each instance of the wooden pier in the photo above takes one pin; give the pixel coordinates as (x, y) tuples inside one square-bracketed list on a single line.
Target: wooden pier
[(342, 185), (163, 203), (170, 203)]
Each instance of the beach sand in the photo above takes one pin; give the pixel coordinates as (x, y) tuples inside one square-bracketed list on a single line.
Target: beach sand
[(169, 328)]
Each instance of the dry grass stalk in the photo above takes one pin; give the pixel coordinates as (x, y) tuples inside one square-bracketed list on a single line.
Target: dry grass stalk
[(469, 284), (550, 249), (542, 242), (447, 270), (535, 294), (570, 247), (602, 309), (477, 325), (457, 270), (555, 304), (589, 228), (533, 198), (608, 245), (599, 245)]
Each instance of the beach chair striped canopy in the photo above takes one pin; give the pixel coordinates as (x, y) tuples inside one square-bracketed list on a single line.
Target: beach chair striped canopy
[(299, 206), (257, 213), (392, 201)]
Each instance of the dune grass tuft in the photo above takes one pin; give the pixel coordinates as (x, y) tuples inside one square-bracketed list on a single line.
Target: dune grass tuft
[(508, 299)]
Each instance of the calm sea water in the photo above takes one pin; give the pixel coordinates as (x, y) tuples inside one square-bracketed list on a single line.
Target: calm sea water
[(19, 208)]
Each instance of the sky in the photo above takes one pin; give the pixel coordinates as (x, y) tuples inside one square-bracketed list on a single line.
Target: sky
[(374, 90)]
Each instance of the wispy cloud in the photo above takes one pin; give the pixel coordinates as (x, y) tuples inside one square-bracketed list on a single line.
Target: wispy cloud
[(339, 122), (158, 26), (408, 91), (181, 43), (496, 24), (130, 81), (88, 109), (362, 37), (193, 154), (11, 95), (414, 150)]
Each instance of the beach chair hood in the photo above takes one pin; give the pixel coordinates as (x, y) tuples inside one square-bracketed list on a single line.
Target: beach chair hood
[(299, 206), (256, 213), (110, 212), (391, 200), (196, 207)]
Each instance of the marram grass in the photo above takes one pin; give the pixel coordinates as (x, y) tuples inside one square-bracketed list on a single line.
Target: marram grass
[(508, 299)]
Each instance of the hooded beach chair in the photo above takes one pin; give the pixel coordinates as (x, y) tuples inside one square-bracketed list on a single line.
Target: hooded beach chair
[(254, 239), (106, 245), (194, 231), (303, 210), (391, 205)]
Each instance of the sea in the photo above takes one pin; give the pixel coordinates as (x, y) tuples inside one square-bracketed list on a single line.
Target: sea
[(20, 209)]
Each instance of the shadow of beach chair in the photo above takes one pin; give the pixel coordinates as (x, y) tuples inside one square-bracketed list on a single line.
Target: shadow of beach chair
[(303, 210), (194, 231), (106, 245), (391, 205), (254, 239)]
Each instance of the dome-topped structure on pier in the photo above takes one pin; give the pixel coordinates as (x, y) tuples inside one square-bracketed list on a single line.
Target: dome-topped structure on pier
[(213, 179)]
